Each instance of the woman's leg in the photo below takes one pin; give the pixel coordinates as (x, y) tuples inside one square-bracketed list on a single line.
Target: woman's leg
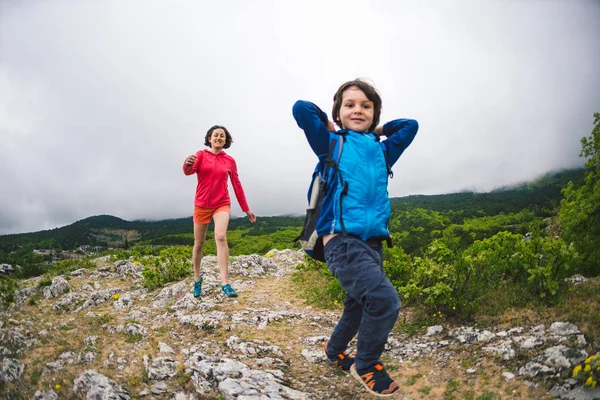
[(221, 222), (199, 239)]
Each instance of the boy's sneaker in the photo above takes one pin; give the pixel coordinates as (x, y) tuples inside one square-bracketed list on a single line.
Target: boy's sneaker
[(343, 360), (377, 381), (228, 290), (198, 287)]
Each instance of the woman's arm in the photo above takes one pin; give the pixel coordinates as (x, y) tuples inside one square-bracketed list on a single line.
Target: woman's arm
[(237, 186), (189, 165)]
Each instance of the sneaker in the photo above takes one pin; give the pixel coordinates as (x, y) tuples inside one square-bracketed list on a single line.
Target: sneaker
[(343, 360), (228, 290), (198, 287), (377, 381)]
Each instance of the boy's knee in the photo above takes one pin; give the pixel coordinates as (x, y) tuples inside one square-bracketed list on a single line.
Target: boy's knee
[(221, 237), (384, 301), (393, 302)]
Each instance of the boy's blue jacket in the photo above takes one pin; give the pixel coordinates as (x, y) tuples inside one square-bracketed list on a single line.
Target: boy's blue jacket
[(364, 210)]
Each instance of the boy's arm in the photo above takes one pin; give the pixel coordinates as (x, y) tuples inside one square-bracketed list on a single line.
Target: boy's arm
[(400, 133), (314, 123)]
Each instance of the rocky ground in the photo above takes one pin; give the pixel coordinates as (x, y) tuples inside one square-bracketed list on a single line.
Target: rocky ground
[(100, 335)]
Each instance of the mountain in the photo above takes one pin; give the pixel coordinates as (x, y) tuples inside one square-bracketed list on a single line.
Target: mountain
[(542, 196)]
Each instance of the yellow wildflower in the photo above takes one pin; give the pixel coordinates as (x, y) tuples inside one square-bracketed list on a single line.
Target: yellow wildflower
[(587, 368), (116, 296), (589, 359), (57, 386), (576, 370), (589, 381)]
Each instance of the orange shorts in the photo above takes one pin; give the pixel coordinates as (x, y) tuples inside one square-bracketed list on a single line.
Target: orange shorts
[(203, 215)]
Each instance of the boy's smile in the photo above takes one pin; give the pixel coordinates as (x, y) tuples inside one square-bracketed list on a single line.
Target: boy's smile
[(356, 111)]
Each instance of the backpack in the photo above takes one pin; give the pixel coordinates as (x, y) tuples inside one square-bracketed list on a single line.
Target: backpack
[(310, 242)]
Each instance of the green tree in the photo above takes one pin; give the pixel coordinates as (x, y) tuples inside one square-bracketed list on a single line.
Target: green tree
[(580, 208)]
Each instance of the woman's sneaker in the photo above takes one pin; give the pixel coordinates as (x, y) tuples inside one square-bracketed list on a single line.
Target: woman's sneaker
[(376, 380), (198, 287), (342, 360), (228, 290)]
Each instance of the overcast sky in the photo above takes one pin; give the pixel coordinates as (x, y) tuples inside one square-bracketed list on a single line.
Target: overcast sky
[(101, 101)]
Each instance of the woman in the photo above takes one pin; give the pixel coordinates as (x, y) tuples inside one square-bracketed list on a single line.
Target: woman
[(212, 167)]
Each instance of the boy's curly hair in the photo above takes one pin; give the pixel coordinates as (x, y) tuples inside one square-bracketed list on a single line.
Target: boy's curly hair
[(368, 90), (228, 138)]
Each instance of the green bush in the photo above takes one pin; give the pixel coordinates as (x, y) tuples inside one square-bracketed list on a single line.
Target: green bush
[(171, 264), (580, 208), (47, 281), (503, 264), (63, 267), (8, 286), (30, 270)]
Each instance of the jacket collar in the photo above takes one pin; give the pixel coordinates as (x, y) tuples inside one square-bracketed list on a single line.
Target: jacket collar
[(222, 152), (370, 135)]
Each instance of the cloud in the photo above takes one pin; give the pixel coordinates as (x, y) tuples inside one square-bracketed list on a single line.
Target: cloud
[(100, 102)]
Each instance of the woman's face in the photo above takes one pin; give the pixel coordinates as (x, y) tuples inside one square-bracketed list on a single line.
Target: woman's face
[(217, 139)]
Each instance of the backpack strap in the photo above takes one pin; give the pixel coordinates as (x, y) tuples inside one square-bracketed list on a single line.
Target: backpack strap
[(387, 165), (332, 160), (332, 163)]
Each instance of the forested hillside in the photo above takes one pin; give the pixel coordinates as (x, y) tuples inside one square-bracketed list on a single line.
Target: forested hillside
[(415, 222)]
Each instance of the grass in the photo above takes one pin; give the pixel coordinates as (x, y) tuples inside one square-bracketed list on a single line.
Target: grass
[(104, 319), (487, 396), (412, 380), (452, 384), (66, 327), (136, 337), (425, 390), (317, 286), (581, 306)]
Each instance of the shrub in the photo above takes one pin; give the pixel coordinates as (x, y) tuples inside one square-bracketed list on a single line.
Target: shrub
[(172, 264), (63, 267), (505, 263), (580, 208), (47, 281), (8, 286)]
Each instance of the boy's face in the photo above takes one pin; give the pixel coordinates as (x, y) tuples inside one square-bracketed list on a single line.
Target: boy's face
[(356, 111), (217, 139)]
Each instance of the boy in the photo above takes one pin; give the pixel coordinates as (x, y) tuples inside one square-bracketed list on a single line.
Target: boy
[(354, 221)]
